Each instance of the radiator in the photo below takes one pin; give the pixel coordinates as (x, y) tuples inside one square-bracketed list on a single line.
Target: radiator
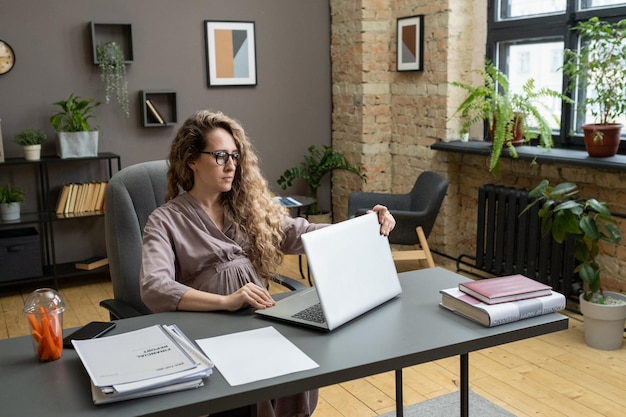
[(508, 242)]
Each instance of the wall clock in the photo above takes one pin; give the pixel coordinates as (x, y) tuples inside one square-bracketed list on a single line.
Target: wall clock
[(7, 57)]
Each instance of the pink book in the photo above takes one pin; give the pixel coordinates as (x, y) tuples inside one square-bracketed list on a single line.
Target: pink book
[(504, 289)]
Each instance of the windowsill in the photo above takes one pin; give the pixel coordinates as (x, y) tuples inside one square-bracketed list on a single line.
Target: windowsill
[(548, 156)]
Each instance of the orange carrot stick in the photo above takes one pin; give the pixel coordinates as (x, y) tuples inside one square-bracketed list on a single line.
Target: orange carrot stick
[(36, 336), (34, 324), (48, 337)]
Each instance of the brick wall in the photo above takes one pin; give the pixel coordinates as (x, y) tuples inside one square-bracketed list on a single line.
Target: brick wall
[(385, 121)]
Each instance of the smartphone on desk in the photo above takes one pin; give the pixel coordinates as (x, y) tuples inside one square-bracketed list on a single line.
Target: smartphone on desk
[(88, 331)]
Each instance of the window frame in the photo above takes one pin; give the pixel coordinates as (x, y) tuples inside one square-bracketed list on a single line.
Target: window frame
[(549, 26)]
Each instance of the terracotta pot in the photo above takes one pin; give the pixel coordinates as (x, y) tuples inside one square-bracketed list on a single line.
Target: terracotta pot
[(518, 138), (609, 142)]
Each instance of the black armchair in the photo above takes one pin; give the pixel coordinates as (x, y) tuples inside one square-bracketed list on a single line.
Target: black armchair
[(415, 213), (131, 195)]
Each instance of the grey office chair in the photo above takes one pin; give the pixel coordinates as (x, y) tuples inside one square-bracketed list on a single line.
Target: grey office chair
[(415, 213), (131, 195)]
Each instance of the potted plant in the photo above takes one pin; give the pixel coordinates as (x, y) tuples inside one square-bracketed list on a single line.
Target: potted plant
[(588, 222), (10, 199), (112, 66), (76, 136), (513, 118), (31, 139), (598, 69), (317, 163)]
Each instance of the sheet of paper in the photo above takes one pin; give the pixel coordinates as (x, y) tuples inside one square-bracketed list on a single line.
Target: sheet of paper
[(232, 356)]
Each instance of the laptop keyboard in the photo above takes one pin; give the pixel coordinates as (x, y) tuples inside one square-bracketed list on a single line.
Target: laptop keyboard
[(313, 313)]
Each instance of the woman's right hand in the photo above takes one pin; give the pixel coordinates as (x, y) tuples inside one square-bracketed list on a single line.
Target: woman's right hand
[(249, 295)]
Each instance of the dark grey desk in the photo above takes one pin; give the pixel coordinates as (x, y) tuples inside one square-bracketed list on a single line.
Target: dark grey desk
[(411, 329)]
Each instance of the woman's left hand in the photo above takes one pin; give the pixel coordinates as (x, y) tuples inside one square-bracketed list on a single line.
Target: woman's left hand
[(386, 220)]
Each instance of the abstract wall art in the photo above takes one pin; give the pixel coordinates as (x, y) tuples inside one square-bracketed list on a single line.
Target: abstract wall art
[(410, 43), (231, 53)]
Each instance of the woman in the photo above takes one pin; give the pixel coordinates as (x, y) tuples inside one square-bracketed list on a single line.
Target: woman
[(215, 245)]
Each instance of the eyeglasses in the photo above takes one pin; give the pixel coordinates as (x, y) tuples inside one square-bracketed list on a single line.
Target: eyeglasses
[(221, 157)]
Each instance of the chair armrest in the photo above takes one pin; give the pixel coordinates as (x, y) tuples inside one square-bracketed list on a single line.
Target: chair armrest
[(367, 200), (289, 283), (119, 309)]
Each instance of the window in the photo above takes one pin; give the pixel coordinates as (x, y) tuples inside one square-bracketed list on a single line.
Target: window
[(526, 39)]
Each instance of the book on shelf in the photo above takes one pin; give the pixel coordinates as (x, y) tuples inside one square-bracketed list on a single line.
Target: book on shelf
[(63, 194), (144, 362), (92, 263), (71, 200), (100, 200), (504, 289), (491, 315), (80, 198), (154, 112), (87, 195), (95, 189)]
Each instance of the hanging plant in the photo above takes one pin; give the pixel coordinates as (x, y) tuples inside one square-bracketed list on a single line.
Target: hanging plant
[(113, 73)]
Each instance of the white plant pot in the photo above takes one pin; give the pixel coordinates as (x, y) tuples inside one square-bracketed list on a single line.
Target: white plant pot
[(77, 144), (604, 323), (32, 152), (9, 212)]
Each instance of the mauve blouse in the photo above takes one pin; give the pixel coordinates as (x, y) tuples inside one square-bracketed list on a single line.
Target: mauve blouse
[(184, 249)]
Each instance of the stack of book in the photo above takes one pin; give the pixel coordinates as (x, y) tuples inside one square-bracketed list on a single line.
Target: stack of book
[(81, 198), (140, 363), (501, 300)]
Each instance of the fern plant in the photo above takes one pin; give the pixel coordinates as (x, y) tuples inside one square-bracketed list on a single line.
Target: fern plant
[(315, 166), (507, 112)]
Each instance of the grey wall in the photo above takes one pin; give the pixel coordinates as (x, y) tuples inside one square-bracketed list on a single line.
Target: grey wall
[(288, 110)]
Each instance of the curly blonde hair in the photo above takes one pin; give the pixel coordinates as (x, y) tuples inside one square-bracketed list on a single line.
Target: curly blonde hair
[(256, 214)]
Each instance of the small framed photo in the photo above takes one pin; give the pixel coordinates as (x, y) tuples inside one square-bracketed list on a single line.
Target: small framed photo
[(410, 43), (230, 53)]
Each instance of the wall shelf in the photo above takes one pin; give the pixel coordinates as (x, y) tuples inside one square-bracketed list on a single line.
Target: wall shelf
[(158, 108), (120, 33)]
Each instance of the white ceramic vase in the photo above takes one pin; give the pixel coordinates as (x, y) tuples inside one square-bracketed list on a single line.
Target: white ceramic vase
[(9, 212), (32, 152), (604, 323)]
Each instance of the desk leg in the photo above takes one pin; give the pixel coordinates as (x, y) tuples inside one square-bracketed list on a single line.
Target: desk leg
[(464, 385), (399, 400)]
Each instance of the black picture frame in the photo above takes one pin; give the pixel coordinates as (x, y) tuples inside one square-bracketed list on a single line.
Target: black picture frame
[(230, 53), (410, 43)]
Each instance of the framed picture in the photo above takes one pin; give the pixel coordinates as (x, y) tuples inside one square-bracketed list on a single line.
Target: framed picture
[(230, 53), (410, 47)]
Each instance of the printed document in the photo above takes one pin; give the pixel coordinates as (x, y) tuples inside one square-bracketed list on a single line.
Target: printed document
[(231, 355), (134, 356)]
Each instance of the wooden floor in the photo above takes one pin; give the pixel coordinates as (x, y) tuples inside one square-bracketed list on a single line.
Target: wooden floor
[(552, 375)]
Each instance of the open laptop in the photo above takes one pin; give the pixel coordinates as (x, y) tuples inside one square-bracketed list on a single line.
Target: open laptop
[(353, 270)]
